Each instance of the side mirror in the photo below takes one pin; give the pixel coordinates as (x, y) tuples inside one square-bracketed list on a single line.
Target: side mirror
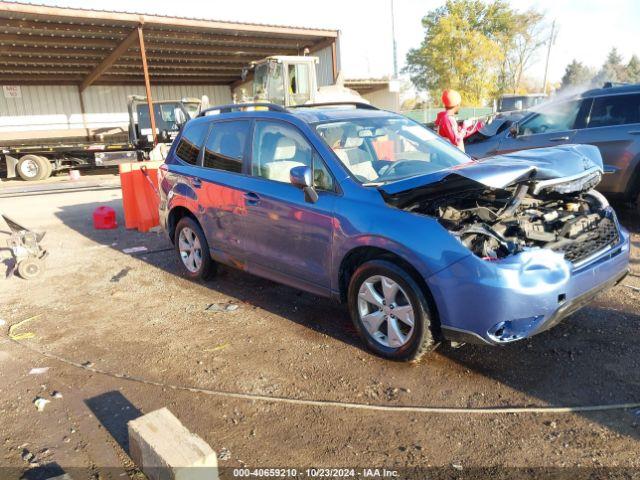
[(514, 130), (302, 177)]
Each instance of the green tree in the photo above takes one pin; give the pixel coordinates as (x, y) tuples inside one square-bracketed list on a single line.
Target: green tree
[(463, 48), (576, 73), (633, 69), (612, 70)]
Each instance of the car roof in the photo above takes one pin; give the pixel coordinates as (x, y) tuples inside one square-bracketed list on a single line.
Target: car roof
[(611, 90), (326, 114), (306, 114)]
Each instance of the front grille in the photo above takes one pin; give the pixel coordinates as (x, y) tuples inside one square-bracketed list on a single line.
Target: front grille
[(604, 235)]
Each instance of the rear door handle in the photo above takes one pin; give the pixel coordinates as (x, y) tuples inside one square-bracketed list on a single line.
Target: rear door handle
[(559, 139), (634, 132), (251, 198), (196, 182)]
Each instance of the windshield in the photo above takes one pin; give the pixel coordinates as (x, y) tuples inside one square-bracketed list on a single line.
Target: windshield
[(383, 150), (519, 103), (164, 115)]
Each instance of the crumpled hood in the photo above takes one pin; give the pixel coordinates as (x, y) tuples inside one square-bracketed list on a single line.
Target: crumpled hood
[(563, 169)]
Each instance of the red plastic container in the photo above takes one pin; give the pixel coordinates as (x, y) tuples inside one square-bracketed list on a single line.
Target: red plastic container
[(104, 218)]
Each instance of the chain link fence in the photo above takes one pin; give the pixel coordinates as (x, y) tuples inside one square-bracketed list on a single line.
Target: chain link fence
[(428, 115)]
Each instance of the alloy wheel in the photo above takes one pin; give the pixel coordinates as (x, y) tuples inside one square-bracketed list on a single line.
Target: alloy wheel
[(190, 249), (385, 311)]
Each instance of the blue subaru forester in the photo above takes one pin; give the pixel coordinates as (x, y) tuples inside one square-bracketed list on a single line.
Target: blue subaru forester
[(370, 208)]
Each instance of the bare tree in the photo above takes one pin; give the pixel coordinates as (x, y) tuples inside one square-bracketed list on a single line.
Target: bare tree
[(525, 40)]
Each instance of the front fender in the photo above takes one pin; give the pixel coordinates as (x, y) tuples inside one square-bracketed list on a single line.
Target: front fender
[(418, 239)]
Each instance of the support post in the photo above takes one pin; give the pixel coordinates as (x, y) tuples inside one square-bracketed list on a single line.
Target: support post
[(84, 114), (334, 60), (147, 85)]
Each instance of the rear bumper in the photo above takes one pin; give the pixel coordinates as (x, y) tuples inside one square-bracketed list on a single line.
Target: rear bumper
[(499, 302)]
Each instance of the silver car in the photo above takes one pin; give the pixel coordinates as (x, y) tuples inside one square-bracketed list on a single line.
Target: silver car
[(608, 118)]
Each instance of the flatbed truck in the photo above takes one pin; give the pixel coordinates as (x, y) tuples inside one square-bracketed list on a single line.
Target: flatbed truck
[(37, 158)]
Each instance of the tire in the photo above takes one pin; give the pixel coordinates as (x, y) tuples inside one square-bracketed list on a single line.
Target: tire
[(188, 240), (49, 168), (403, 342), (30, 268), (33, 167)]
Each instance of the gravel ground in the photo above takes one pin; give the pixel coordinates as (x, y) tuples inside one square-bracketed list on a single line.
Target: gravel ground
[(135, 315)]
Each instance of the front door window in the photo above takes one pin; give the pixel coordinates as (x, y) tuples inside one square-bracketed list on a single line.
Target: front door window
[(557, 117)]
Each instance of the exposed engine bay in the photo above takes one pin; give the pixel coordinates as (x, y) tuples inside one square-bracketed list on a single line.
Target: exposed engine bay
[(495, 223)]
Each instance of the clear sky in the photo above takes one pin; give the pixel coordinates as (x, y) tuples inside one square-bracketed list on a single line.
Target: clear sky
[(587, 29)]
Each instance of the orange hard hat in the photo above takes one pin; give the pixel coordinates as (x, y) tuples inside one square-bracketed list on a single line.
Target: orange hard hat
[(451, 98)]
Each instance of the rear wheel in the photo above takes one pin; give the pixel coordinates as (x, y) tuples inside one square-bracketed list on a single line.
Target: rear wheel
[(48, 168), (390, 311), (33, 167), (193, 250)]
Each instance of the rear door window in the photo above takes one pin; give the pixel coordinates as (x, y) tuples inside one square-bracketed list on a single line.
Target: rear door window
[(226, 145), (614, 110), (190, 144)]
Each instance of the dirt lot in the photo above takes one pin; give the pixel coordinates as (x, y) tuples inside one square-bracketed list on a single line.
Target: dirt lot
[(134, 315)]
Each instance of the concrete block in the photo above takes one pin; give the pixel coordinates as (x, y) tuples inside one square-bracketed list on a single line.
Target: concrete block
[(165, 450)]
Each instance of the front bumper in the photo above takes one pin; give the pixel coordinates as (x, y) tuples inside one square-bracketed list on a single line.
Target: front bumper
[(498, 302)]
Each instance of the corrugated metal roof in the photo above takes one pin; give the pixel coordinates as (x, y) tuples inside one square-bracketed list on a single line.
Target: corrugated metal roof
[(148, 13), (43, 44), (367, 85)]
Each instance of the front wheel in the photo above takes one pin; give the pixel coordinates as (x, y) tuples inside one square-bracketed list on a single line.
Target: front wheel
[(390, 311), (193, 249)]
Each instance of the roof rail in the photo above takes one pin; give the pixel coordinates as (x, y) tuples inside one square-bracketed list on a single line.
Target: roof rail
[(241, 106), (615, 84), (364, 106)]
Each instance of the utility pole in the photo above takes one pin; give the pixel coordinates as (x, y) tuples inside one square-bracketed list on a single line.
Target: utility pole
[(546, 66), (395, 48)]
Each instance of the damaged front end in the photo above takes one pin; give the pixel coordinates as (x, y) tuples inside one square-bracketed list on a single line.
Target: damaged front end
[(496, 223), (544, 242), (508, 204)]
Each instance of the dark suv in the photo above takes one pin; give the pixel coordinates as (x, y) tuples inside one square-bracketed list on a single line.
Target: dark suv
[(608, 118), (371, 208)]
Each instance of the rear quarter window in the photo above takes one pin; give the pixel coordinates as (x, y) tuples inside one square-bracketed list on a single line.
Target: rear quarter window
[(188, 149), (614, 110)]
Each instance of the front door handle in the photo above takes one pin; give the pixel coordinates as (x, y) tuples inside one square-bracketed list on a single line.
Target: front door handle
[(196, 182), (251, 198), (559, 139), (634, 132)]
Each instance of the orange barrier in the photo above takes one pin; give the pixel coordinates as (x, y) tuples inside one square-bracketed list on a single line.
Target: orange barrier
[(139, 198), (385, 149)]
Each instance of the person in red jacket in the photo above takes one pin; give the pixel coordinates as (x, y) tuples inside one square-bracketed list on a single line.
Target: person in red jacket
[(446, 123)]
